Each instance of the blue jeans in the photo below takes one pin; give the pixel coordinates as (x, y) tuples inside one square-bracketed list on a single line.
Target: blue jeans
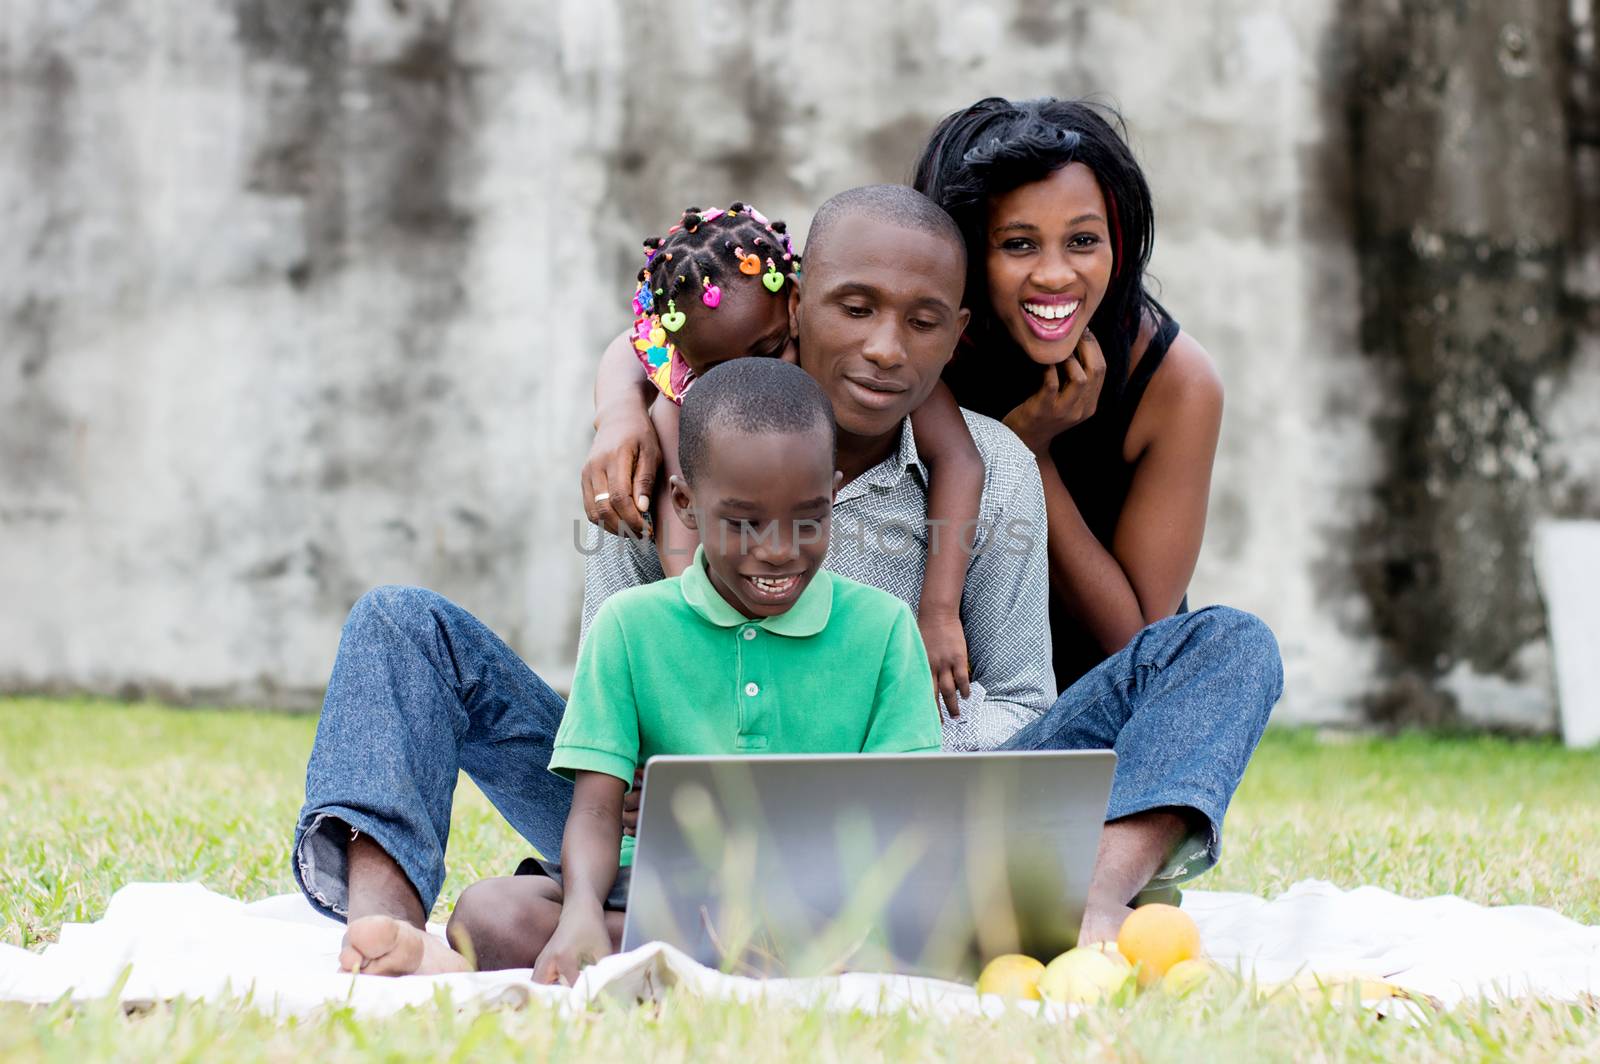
[(421, 689), (1183, 705)]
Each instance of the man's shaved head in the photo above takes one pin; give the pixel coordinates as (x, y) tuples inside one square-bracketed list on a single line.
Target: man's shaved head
[(897, 204)]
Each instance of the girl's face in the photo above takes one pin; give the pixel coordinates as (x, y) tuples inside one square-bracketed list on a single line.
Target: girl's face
[(748, 321), (1049, 261)]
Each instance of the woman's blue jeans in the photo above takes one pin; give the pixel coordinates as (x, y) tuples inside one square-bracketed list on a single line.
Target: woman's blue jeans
[(422, 690)]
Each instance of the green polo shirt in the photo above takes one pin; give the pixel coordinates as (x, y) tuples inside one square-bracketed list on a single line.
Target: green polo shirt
[(672, 668)]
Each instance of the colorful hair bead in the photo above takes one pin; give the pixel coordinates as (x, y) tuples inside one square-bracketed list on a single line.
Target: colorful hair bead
[(772, 278), (712, 294), (673, 319), (748, 264)]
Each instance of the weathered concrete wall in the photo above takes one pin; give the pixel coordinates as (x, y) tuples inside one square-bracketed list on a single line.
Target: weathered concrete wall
[(304, 296)]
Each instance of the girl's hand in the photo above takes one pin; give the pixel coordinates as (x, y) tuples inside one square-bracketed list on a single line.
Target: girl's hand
[(1068, 396), (580, 939), (947, 654), (620, 472)]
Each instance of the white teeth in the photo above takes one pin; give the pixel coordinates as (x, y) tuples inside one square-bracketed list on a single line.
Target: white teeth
[(1051, 311), (766, 584)]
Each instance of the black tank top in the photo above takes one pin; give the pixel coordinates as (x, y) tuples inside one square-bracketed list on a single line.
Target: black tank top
[(1088, 456)]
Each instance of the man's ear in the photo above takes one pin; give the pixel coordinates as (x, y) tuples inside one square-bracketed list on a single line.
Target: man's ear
[(682, 500), (838, 480), (794, 307), (963, 317)]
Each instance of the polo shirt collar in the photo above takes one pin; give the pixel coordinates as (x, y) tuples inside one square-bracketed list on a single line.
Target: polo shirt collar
[(807, 617), (890, 471)]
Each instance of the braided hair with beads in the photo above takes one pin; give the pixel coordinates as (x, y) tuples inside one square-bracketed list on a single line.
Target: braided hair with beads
[(700, 253)]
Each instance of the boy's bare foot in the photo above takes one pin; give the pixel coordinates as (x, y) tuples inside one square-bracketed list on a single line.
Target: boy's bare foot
[(382, 945)]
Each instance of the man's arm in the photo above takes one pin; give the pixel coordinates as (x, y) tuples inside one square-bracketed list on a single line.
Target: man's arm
[(612, 564), (589, 851), (1006, 607)]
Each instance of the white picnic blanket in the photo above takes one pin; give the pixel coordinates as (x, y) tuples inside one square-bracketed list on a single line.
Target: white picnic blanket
[(178, 939)]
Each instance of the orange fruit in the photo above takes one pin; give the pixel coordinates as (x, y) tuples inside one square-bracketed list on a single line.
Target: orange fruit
[(1155, 937), (1011, 975)]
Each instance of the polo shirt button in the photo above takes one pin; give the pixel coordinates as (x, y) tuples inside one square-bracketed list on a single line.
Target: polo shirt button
[(749, 633), (752, 689)]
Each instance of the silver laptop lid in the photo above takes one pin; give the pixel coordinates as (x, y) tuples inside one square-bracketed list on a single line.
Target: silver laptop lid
[(918, 863)]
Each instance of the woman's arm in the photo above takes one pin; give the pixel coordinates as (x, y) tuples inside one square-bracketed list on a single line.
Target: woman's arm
[(1173, 444), (589, 850), (623, 459), (675, 541), (955, 492)]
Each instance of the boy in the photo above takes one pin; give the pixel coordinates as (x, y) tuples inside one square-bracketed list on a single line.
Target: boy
[(754, 649)]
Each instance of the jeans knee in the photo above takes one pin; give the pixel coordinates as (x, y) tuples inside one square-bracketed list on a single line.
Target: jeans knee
[(1255, 646), (395, 604)]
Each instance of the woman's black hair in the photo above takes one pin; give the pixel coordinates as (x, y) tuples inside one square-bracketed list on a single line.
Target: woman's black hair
[(997, 145)]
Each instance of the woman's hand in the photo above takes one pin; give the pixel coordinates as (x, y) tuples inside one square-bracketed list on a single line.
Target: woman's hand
[(1067, 397), (580, 939), (620, 472)]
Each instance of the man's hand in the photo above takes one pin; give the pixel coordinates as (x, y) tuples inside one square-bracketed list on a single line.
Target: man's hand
[(620, 472), (580, 939), (631, 802), (1067, 396), (946, 643)]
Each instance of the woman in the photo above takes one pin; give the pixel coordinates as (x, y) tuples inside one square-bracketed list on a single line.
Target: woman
[(1070, 350)]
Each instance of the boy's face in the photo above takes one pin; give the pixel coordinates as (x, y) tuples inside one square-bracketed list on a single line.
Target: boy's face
[(877, 318), (761, 503), (749, 320)]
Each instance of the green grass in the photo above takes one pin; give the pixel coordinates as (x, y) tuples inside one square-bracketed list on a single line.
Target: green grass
[(95, 795)]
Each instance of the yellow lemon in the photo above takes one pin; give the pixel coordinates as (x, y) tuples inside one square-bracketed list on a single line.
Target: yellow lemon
[(1109, 948), (1314, 986), (1155, 937), (1011, 975), (1083, 976), (1185, 977)]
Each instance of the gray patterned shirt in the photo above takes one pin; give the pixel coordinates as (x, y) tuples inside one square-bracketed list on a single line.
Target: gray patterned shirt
[(881, 537)]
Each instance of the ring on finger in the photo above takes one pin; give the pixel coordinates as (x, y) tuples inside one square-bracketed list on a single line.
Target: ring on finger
[(602, 497)]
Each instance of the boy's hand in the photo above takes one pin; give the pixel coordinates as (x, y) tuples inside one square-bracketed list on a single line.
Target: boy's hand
[(630, 803), (947, 654), (580, 939), (620, 472)]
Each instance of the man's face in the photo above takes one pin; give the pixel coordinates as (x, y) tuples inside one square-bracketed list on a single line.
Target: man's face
[(761, 503), (877, 318)]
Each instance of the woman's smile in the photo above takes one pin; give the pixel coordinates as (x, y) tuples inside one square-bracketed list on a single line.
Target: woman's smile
[(1051, 317)]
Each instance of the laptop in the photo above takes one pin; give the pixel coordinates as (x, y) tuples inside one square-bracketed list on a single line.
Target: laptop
[(923, 864)]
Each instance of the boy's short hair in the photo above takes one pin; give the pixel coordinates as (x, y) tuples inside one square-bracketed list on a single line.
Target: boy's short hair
[(756, 395)]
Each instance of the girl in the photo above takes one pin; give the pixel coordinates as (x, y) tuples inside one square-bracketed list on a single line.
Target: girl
[(1068, 348), (716, 288)]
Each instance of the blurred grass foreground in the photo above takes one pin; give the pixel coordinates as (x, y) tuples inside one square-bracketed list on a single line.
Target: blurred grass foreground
[(94, 795)]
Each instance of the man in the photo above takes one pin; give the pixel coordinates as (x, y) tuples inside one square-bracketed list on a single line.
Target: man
[(421, 688)]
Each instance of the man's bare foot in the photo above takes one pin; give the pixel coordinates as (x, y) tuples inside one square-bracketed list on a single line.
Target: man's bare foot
[(1101, 923), (382, 945)]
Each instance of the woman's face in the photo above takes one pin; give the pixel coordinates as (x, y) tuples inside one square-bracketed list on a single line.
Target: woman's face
[(1049, 261)]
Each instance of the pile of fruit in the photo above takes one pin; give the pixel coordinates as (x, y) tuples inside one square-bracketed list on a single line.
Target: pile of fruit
[(1159, 945)]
